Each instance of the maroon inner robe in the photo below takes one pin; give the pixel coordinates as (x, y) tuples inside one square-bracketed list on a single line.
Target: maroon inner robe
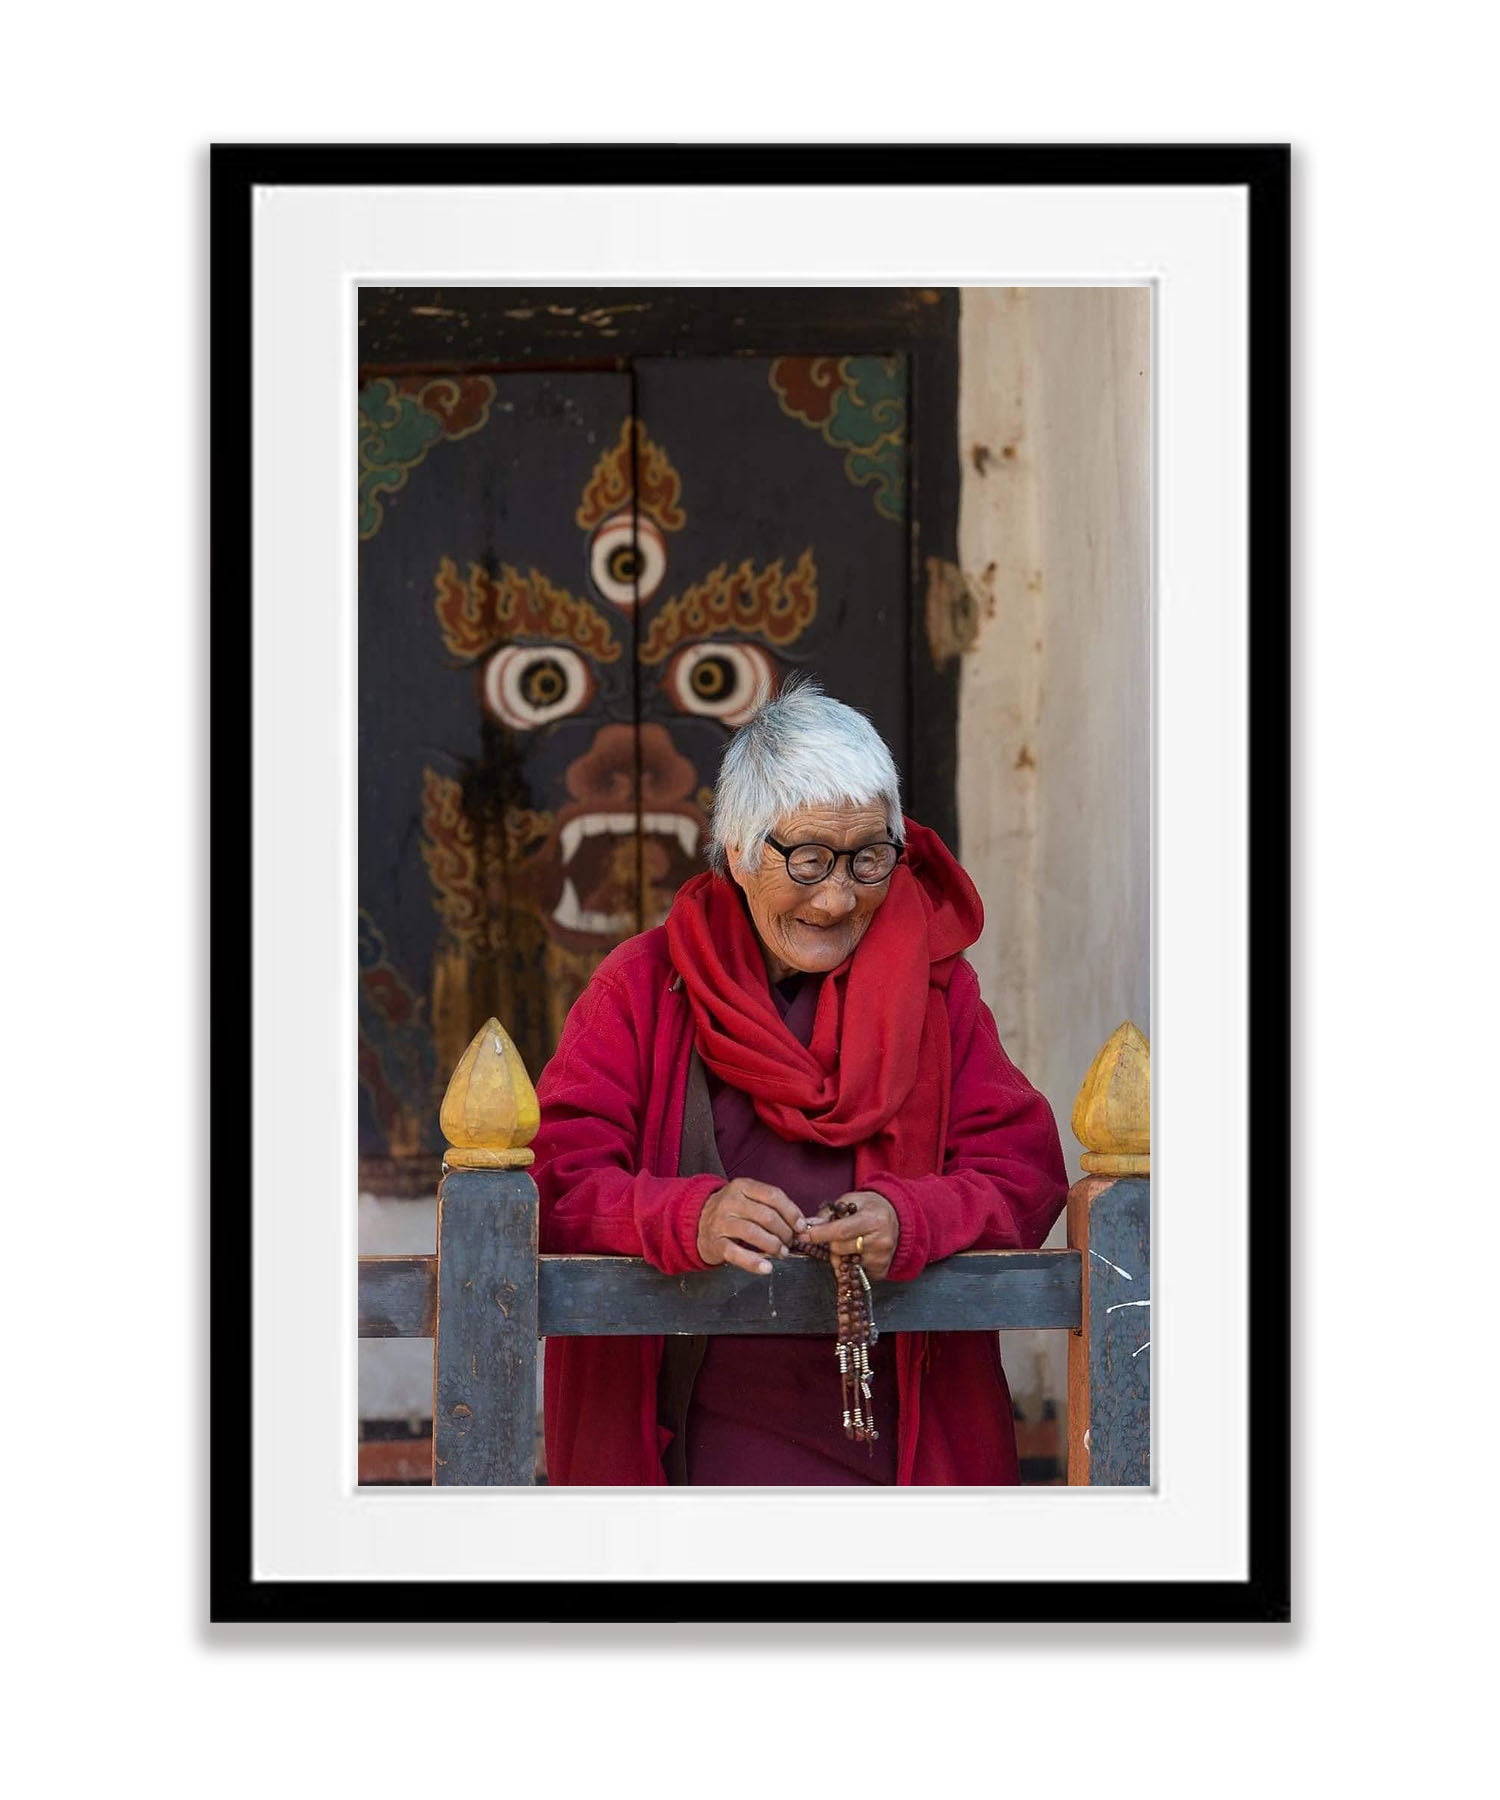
[(766, 1411)]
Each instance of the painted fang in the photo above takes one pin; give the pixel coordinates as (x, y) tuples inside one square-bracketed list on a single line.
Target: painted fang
[(591, 824)]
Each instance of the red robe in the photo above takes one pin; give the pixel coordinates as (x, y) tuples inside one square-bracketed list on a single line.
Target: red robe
[(606, 1160)]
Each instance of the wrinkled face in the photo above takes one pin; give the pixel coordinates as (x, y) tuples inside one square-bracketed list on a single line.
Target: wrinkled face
[(813, 929)]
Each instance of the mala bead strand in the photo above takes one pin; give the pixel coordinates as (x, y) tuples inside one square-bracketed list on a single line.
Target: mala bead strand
[(851, 1328), (855, 1334)]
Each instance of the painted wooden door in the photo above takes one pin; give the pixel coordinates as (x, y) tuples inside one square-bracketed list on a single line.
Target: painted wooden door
[(573, 586)]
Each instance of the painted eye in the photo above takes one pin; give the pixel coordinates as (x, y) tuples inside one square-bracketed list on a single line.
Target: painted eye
[(530, 685), (627, 559), (721, 681)]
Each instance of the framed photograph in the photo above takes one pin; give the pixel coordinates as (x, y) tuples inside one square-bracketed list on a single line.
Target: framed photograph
[(562, 470)]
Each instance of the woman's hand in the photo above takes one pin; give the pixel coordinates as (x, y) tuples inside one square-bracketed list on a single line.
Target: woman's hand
[(875, 1222), (745, 1223)]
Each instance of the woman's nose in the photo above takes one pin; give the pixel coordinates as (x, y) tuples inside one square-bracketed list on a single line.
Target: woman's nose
[(836, 897)]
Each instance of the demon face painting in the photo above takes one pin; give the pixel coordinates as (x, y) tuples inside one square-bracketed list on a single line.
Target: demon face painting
[(557, 639)]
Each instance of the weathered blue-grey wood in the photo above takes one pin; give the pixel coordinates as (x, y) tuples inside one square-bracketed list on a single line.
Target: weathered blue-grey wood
[(484, 1405), (1119, 1336), (615, 1296), (612, 1296), (397, 1296)]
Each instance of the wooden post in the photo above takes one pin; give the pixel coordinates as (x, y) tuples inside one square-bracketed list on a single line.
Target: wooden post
[(484, 1363), (1109, 1224)]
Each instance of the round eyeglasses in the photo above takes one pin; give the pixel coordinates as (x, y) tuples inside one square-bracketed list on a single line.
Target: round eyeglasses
[(808, 864)]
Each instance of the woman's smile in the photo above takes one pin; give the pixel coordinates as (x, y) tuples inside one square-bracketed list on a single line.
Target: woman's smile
[(813, 929)]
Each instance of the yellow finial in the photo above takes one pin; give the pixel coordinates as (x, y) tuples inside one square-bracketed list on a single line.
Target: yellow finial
[(1112, 1114), (489, 1112)]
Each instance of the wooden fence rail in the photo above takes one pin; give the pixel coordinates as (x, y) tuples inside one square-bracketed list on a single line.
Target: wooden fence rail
[(486, 1297), (616, 1296)]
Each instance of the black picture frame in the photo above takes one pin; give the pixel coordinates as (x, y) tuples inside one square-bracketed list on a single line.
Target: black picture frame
[(1263, 172)]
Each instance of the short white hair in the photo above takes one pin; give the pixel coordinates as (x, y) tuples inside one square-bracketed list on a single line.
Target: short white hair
[(800, 749)]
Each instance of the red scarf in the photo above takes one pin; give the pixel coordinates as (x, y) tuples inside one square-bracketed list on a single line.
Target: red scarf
[(876, 1072)]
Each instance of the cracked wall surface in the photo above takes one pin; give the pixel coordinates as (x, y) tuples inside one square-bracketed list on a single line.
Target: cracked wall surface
[(1054, 771)]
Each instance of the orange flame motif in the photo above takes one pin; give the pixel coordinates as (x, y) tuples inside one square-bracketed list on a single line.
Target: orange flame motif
[(524, 829), (772, 604), (487, 610), (609, 487), (462, 860), (452, 857)]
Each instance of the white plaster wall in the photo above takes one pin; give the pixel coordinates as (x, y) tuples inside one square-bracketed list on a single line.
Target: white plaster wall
[(1054, 721), (1093, 850)]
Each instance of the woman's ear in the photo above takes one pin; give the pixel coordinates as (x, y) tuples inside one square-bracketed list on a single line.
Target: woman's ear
[(732, 863)]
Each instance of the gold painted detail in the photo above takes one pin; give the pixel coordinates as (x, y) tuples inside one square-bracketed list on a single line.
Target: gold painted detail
[(451, 853), (489, 1113), (1102, 1163), (488, 1159), (770, 603), (525, 828), (610, 490), (1112, 1114), (486, 610), (467, 867)]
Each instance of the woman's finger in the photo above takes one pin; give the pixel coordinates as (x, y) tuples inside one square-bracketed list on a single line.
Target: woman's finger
[(766, 1217), (836, 1231), (746, 1231), (775, 1199), (877, 1245), (749, 1260)]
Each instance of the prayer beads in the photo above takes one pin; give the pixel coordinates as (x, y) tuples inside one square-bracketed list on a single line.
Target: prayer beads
[(856, 1335)]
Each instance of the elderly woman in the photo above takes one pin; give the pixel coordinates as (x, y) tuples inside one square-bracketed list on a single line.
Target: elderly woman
[(803, 1030)]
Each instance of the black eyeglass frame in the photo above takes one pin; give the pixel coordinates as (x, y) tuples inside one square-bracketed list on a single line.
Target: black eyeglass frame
[(785, 852)]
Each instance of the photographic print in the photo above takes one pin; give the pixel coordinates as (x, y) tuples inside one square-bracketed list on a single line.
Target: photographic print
[(752, 725)]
